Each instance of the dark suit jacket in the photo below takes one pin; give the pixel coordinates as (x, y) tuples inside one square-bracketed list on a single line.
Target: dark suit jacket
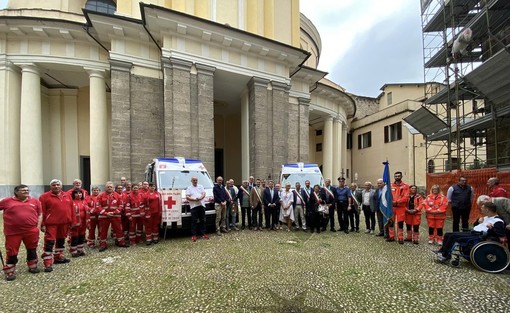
[(268, 199), (303, 195), (241, 194), (220, 194), (327, 196)]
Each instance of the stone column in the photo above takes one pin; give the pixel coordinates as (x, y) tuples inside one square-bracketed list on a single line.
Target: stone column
[(99, 150), (327, 149), (337, 148), (344, 150), (31, 149), (55, 134), (120, 73), (257, 103), (279, 138), (304, 130), (245, 135), (10, 101), (205, 83), (177, 107), (70, 149)]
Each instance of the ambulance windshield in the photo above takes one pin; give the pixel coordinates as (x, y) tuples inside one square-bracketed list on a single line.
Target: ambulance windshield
[(182, 179), (314, 178)]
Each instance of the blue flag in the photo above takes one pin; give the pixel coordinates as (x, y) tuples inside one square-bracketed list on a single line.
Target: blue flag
[(386, 198)]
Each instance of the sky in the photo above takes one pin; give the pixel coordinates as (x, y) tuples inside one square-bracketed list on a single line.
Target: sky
[(368, 43), (3, 3)]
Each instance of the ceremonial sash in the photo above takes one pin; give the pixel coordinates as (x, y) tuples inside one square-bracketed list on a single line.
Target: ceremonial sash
[(355, 200), (307, 192), (301, 198), (245, 191), (228, 194), (329, 192), (257, 193)]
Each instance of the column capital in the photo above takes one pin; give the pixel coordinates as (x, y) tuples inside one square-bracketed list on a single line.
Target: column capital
[(29, 68), (170, 62), (280, 86), (258, 81), (328, 119), (205, 69), (122, 66), (6, 65), (304, 101), (94, 72)]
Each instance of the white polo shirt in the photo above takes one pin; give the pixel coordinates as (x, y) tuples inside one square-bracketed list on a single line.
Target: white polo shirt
[(195, 192)]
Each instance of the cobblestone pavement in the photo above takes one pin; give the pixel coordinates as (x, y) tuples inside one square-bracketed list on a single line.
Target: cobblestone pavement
[(264, 271)]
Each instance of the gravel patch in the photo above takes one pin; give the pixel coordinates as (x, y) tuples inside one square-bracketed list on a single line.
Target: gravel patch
[(268, 271)]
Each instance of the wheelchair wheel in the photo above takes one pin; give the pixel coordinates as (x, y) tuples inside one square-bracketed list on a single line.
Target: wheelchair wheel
[(490, 257)]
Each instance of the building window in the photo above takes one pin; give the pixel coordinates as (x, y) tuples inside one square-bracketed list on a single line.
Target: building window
[(101, 6), (365, 140), (318, 132), (318, 147), (347, 173), (393, 132), (431, 167), (349, 140), (389, 98), (454, 166)]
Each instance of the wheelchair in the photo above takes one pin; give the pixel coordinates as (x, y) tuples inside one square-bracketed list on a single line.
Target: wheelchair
[(486, 255)]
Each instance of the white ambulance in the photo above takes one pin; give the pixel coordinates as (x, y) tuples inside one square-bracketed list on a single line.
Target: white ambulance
[(300, 172), (173, 175)]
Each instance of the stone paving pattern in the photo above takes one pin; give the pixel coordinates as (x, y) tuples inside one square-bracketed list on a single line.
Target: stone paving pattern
[(266, 271)]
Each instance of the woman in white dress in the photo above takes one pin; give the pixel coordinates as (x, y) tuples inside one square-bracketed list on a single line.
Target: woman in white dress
[(287, 209)]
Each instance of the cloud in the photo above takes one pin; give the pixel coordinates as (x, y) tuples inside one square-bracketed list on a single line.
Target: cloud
[(368, 43)]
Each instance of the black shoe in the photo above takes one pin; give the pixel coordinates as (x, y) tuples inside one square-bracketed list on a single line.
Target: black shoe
[(75, 255), (148, 243), (357, 230), (10, 277), (333, 230), (380, 235), (352, 230), (311, 232), (346, 231), (390, 239), (155, 241), (34, 270), (323, 229), (400, 241), (102, 249), (48, 269), (61, 261)]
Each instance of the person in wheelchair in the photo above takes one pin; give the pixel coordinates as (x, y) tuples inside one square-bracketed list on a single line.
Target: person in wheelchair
[(490, 227)]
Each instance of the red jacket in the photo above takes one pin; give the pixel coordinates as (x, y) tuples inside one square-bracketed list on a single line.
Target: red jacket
[(436, 205), (153, 204), (90, 201), (81, 210), (133, 203), (498, 192), (400, 194), (57, 209), (109, 203)]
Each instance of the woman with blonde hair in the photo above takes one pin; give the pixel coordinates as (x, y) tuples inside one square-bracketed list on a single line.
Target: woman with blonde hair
[(435, 209)]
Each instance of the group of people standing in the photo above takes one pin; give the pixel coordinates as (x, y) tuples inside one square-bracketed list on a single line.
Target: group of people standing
[(77, 216)]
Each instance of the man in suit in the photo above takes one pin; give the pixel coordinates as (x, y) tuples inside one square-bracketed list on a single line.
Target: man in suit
[(271, 199), (256, 194), (220, 205), (244, 202), (329, 194), (300, 202)]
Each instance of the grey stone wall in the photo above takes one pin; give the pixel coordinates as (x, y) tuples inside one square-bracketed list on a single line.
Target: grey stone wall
[(121, 120), (258, 128), (280, 133), (205, 120), (147, 127), (304, 133)]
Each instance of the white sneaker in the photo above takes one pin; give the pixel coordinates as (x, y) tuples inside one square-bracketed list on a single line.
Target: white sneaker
[(371, 232), (431, 242), (440, 257), (367, 231)]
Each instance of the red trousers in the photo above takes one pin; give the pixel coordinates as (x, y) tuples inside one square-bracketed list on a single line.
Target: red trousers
[(152, 227), (399, 214), (30, 239), (135, 229), (54, 240), (92, 225), (413, 219), (104, 225), (435, 222)]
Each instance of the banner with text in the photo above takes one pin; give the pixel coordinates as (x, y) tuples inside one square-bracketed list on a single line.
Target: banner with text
[(172, 208)]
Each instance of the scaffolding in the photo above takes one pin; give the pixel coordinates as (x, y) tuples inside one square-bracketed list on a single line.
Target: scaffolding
[(467, 89)]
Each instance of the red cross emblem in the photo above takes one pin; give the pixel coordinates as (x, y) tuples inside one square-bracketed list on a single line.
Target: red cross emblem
[(169, 202)]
